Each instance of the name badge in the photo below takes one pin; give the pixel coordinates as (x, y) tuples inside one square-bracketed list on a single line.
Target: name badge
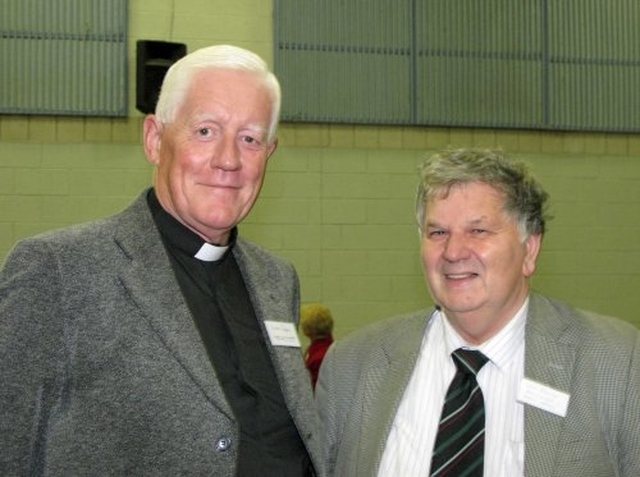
[(282, 334), (543, 397)]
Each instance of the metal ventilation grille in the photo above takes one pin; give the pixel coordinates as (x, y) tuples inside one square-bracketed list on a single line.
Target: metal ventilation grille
[(64, 57), (594, 64), (344, 61), (541, 64)]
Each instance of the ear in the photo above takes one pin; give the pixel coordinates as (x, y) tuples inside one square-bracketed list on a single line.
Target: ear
[(272, 148), (532, 245), (151, 138)]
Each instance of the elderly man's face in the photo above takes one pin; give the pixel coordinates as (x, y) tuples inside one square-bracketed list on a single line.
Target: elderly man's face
[(210, 162), (475, 262)]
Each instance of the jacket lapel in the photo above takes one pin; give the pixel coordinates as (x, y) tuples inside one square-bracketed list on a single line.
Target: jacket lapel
[(383, 387), (148, 279), (273, 299), (549, 360)]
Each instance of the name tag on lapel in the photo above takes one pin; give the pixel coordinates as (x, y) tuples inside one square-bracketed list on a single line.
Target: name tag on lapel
[(543, 397), (282, 334)]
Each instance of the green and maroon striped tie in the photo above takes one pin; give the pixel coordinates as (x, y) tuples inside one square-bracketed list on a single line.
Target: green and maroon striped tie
[(459, 448)]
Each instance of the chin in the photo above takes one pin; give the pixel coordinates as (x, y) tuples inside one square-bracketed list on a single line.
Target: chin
[(458, 306)]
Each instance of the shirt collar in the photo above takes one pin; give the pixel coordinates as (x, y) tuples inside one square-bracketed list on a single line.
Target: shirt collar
[(499, 349)]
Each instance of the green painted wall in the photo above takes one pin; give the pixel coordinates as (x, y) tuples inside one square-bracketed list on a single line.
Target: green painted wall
[(338, 200)]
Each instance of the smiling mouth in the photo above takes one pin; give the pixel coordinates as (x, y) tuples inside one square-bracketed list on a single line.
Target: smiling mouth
[(459, 276), (221, 186)]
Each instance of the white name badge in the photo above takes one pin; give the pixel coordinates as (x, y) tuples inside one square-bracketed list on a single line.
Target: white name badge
[(543, 397), (282, 334)]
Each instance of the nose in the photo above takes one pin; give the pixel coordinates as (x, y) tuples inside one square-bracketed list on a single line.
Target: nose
[(456, 248), (226, 155)]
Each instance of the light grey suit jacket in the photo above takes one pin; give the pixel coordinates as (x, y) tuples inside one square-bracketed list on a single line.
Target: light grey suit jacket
[(593, 358), (102, 369)]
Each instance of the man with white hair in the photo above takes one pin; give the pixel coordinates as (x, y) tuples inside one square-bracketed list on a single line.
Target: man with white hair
[(157, 341)]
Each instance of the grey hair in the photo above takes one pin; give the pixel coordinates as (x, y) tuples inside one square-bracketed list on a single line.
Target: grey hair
[(222, 57), (525, 198)]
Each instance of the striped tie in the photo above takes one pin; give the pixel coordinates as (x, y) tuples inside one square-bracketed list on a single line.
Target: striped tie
[(459, 448)]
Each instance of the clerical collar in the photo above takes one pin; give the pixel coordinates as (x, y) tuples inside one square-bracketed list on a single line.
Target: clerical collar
[(211, 253), (184, 239)]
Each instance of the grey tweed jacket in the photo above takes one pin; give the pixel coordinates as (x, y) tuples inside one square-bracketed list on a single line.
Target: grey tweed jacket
[(102, 370), (593, 358)]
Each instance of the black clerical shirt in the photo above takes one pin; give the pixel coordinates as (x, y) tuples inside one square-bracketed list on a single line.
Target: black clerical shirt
[(215, 292)]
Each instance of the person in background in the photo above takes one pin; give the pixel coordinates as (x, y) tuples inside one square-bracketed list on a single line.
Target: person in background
[(158, 341), (316, 323), (544, 388)]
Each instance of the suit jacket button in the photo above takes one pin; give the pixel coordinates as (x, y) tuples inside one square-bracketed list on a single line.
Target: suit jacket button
[(223, 444)]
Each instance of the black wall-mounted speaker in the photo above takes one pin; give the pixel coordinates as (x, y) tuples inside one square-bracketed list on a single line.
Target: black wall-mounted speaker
[(153, 59)]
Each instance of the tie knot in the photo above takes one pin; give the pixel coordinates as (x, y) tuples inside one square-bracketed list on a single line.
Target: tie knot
[(469, 360)]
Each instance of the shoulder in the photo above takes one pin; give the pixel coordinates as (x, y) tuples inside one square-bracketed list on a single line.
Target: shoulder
[(391, 327), (80, 243), (133, 213), (271, 281), (76, 240), (401, 332), (249, 254), (598, 332), (251, 250)]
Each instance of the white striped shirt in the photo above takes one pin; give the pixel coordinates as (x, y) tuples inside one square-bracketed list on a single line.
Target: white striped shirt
[(410, 443)]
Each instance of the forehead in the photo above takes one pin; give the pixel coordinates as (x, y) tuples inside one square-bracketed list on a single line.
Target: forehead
[(472, 200), (222, 82), (223, 94), (224, 77), (234, 89), (471, 192)]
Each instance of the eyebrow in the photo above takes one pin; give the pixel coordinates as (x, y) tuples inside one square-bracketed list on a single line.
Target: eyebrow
[(256, 128), (479, 220), (473, 222), (215, 118)]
